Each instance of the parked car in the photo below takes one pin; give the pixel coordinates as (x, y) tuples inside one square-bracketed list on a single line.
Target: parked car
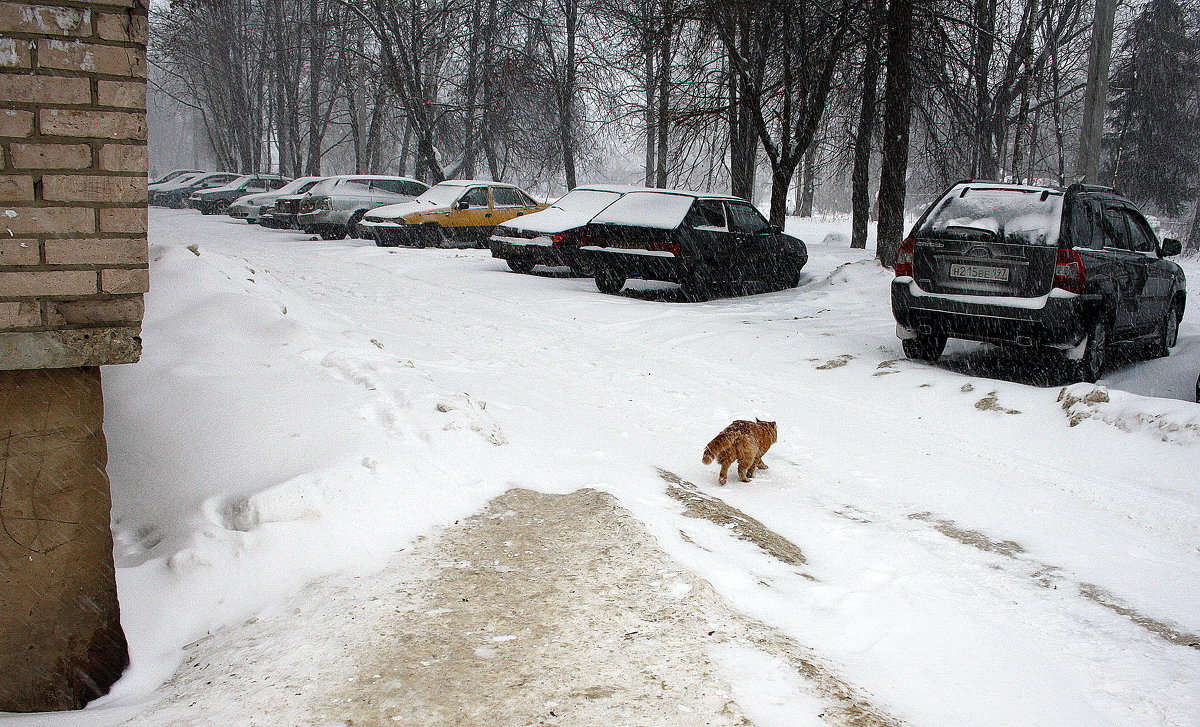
[(175, 194), (174, 181), (334, 207), (696, 239), (173, 174), (216, 200), (456, 212), (1072, 270), (253, 206), (551, 237)]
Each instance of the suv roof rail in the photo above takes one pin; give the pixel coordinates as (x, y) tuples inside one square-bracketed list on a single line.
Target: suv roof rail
[(1080, 187)]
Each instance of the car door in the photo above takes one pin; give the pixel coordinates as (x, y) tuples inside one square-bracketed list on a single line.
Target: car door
[(473, 209), (1155, 274), (753, 238), (1126, 267), (706, 227), (507, 203)]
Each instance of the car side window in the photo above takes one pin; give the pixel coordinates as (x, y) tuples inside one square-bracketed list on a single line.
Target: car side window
[(357, 186), (506, 197), (526, 199), (475, 197), (395, 186), (1116, 230), (275, 183), (744, 218), (1140, 234), (256, 185), (707, 214), (1083, 230)]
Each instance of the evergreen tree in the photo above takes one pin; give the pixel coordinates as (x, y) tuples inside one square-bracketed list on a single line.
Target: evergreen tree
[(1154, 127)]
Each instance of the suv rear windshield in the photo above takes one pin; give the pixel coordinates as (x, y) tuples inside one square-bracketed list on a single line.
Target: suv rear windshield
[(997, 214)]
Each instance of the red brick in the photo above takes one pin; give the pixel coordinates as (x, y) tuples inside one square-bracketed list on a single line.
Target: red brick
[(125, 281), (95, 252), (19, 314), (87, 188), (16, 123), (16, 188), (127, 94), (51, 221), (45, 20), (19, 252), (47, 282), (123, 220), (93, 124), (21, 88), (122, 26), (75, 55), (15, 53), (123, 158), (50, 156)]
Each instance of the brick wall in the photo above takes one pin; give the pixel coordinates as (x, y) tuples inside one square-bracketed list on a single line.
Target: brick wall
[(73, 262)]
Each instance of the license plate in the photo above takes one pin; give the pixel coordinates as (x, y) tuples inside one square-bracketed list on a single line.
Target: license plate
[(979, 272)]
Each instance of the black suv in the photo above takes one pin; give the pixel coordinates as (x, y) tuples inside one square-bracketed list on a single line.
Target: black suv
[(1073, 269), (696, 239)]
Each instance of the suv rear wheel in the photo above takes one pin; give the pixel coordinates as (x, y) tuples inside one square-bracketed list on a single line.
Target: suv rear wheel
[(925, 347), (333, 232), (1095, 354)]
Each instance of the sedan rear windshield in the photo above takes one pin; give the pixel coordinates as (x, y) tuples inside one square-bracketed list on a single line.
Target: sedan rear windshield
[(992, 214), (647, 209)]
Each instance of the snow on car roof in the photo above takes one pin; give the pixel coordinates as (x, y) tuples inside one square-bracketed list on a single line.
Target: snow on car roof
[(470, 182), (660, 208)]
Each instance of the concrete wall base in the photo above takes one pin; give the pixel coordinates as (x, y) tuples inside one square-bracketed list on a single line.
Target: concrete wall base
[(61, 643)]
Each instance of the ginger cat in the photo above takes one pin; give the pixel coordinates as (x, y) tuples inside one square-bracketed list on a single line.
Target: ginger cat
[(745, 442)]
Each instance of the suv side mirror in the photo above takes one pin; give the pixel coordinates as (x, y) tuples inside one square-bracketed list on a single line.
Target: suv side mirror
[(776, 229), (1170, 246), (460, 206)]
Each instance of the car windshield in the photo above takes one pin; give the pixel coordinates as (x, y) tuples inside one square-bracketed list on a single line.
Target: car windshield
[(991, 214), (441, 195), (298, 185), (585, 201), (647, 209)]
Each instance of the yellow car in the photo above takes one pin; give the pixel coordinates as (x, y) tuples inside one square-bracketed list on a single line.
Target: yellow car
[(455, 213)]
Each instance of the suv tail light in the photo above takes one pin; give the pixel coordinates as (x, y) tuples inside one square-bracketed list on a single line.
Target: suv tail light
[(904, 257), (1069, 273)]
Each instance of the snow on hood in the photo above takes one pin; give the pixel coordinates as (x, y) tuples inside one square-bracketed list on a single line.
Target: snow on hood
[(400, 209)]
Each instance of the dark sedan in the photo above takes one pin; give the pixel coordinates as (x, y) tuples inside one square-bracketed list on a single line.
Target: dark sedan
[(698, 240)]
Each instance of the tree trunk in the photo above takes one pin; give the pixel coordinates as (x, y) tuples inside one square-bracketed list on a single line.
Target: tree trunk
[(566, 116), (1193, 241), (664, 98), (897, 111), (860, 177), (808, 182)]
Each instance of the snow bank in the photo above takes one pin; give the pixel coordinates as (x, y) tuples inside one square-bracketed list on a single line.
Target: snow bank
[(1167, 419)]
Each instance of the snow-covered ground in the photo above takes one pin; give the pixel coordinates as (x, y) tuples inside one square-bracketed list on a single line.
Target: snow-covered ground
[(982, 548)]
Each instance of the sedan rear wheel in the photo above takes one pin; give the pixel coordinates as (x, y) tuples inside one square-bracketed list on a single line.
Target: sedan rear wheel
[(522, 265), (609, 281), (697, 284), (333, 232)]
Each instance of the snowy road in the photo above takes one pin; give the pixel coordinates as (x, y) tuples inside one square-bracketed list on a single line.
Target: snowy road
[(307, 408)]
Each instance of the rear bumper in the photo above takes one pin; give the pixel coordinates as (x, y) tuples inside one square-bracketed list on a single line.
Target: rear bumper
[(539, 250), (1057, 320), (648, 264)]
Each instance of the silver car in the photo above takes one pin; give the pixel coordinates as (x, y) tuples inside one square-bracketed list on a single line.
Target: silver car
[(334, 207), (253, 206)]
